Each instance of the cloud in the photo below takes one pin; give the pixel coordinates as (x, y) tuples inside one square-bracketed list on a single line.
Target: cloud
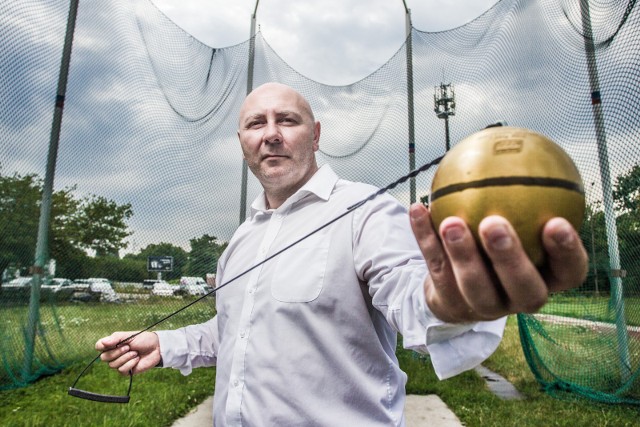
[(150, 117)]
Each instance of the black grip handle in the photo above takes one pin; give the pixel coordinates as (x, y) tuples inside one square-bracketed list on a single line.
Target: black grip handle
[(96, 397)]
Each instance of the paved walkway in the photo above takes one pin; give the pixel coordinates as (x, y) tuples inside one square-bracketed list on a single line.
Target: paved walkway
[(427, 410)]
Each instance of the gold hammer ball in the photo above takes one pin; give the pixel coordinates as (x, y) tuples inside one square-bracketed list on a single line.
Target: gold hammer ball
[(512, 172)]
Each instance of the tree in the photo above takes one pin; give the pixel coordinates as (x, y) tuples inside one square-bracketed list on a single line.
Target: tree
[(594, 238), (627, 190), (179, 255), (627, 196), (204, 255), (75, 225), (101, 225), (19, 215)]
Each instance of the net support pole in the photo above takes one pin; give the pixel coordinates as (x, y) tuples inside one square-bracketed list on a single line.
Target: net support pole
[(410, 109), (42, 242), (607, 196), (252, 54)]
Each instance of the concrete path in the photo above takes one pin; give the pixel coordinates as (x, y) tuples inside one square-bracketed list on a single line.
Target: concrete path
[(427, 410)]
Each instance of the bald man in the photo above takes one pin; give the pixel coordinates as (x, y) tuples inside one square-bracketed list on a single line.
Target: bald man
[(309, 338)]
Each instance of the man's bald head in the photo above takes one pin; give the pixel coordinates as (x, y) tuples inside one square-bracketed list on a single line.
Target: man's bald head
[(270, 91), (279, 137)]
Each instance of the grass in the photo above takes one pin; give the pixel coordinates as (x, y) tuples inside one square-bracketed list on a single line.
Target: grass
[(161, 396), (595, 308), (157, 399), (469, 398)]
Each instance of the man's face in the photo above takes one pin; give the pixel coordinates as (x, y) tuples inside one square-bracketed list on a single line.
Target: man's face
[(278, 137)]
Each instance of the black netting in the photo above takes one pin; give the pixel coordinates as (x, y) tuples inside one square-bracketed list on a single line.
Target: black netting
[(150, 122)]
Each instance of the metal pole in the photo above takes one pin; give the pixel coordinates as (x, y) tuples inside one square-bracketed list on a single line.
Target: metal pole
[(607, 195), (245, 172), (42, 243), (447, 144), (410, 109), (593, 248)]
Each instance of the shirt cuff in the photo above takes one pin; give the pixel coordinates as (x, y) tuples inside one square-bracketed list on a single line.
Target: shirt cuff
[(454, 347), (458, 348), (173, 351)]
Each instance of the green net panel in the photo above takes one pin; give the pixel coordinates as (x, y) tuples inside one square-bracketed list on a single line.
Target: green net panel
[(148, 139)]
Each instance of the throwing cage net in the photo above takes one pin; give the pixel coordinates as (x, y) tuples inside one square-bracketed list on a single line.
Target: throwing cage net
[(148, 140)]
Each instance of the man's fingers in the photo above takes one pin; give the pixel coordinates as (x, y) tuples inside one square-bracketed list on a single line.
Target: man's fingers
[(567, 258), (110, 355), (524, 288), (428, 240), (440, 286), (474, 278), (128, 362), (459, 287), (110, 342)]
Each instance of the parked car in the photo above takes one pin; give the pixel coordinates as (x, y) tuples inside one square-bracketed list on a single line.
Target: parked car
[(186, 280), (163, 289), (56, 289), (94, 289), (59, 283), (148, 283), (194, 289), (105, 290), (19, 282), (98, 279), (81, 284)]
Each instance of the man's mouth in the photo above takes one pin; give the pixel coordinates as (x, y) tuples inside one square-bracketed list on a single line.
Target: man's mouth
[(273, 156)]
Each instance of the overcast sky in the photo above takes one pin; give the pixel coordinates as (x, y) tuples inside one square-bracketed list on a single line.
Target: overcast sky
[(108, 147), (334, 42), (352, 37)]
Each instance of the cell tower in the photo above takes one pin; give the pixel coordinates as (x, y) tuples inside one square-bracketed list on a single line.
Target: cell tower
[(444, 104)]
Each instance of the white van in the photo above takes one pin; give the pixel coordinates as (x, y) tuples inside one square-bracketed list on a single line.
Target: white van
[(193, 285)]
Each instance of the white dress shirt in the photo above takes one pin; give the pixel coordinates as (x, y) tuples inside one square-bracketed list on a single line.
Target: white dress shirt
[(309, 337)]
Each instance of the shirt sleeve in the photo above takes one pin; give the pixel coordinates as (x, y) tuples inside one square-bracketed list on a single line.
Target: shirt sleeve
[(388, 258), (190, 347)]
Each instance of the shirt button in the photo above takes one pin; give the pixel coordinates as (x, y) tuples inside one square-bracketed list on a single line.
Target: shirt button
[(242, 334), (236, 383)]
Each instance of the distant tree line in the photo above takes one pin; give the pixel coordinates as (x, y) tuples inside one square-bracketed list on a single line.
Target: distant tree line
[(626, 196), (98, 225), (83, 225)]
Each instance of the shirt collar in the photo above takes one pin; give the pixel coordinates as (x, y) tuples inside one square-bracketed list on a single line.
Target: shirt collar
[(321, 185)]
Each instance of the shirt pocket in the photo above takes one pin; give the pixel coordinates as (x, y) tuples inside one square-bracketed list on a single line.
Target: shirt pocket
[(300, 270)]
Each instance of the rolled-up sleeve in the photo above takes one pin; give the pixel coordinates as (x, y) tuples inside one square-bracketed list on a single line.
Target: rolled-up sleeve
[(190, 347)]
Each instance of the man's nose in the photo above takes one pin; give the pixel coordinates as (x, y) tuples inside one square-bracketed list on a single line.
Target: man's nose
[(272, 133)]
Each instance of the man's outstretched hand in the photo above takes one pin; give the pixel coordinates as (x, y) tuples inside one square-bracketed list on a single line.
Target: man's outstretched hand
[(464, 286)]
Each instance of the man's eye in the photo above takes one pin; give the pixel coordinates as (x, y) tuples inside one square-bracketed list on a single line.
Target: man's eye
[(253, 125)]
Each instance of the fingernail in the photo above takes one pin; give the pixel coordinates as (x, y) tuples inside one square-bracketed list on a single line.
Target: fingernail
[(416, 212), (125, 348), (498, 237), (453, 234), (563, 236)]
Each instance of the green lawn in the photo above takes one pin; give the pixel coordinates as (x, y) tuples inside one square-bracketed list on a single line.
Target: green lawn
[(162, 395), (592, 308)]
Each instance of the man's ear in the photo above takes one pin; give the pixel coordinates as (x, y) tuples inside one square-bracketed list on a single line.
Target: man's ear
[(243, 156), (316, 136)]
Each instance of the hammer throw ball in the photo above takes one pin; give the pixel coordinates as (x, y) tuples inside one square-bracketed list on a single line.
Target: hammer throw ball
[(512, 172)]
